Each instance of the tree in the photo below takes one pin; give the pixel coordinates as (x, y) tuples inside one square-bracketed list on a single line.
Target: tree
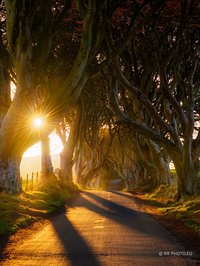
[(46, 162), (72, 121), (159, 67), (92, 146), (32, 42)]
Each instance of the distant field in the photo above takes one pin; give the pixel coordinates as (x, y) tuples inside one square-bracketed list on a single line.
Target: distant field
[(33, 164)]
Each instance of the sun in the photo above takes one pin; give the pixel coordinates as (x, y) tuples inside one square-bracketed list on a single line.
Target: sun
[(38, 122)]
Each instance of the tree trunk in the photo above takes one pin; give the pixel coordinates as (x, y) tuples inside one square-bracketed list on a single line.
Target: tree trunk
[(151, 175), (12, 146), (89, 176), (66, 163), (183, 178), (185, 169), (4, 90), (161, 163), (10, 180), (196, 186), (47, 168), (79, 167), (66, 156)]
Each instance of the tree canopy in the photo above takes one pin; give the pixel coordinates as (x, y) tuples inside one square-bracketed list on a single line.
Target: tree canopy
[(124, 76)]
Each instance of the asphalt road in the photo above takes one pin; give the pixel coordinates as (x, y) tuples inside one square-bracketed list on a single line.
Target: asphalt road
[(101, 228)]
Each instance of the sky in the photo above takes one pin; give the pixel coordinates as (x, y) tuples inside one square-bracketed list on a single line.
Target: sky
[(55, 147), (31, 160)]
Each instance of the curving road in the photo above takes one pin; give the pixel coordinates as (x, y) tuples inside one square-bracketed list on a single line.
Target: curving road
[(101, 228)]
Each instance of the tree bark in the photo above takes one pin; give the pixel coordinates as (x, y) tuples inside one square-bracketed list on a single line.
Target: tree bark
[(66, 163), (196, 176), (183, 176), (66, 156), (143, 155), (89, 176), (10, 180), (161, 163), (79, 166), (47, 167), (185, 169)]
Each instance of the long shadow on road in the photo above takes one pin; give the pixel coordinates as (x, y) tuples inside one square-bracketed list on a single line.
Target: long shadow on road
[(139, 200), (112, 206), (135, 220), (76, 248), (3, 242)]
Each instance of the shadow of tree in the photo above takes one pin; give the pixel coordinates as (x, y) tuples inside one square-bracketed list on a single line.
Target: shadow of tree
[(4, 241), (150, 202), (133, 219), (76, 248)]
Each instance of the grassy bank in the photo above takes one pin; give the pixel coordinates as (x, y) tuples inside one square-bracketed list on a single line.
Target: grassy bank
[(161, 203), (20, 211)]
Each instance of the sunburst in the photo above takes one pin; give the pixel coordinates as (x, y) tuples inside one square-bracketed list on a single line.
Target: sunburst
[(38, 122)]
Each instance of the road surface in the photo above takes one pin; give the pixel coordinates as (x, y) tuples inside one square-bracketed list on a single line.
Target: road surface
[(101, 228)]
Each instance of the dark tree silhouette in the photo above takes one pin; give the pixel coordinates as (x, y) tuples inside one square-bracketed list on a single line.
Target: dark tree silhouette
[(159, 66)]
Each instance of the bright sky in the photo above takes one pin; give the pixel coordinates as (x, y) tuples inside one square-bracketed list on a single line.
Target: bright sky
[(55, 147)]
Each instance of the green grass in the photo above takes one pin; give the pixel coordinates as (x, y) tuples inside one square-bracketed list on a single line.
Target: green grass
[(187, 209), (163, 193), (194, 226), (20, 211)]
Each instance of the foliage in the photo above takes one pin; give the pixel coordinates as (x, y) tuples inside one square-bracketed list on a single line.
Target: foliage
[(20, 211), (47, 80), (129, 66)]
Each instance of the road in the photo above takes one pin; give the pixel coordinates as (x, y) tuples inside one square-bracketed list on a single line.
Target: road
[(101, 228)]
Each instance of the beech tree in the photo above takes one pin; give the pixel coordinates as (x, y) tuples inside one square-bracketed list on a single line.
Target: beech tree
[(153, 61), (92, 147), (159, 66), (46, 162), (138, 161), (70, 125), (33, 35), (149, 50)]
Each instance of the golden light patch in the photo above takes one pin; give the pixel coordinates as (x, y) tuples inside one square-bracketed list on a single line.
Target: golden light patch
[(38, 122)]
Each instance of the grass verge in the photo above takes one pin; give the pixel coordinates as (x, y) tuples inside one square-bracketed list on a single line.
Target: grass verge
[(181, 218), (20, 211), (187, 209)]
